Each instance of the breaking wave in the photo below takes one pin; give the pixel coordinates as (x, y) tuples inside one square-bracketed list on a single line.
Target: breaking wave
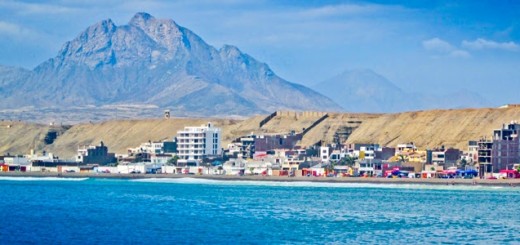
[(40, 179), (311, 184)]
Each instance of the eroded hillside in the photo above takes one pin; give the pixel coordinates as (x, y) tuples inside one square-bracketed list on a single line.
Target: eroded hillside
[(20, 137), (451, 128)]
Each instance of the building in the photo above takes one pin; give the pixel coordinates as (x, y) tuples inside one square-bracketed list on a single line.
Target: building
[(264, 143), (196, 143), (15, 163), (385, 153), (443, 157), (369, 167), (452, 156), (95, 155), (408, 147), (242, 147), (506, 147), (471, 156), (358, 146), (484, 156), (324, 153)]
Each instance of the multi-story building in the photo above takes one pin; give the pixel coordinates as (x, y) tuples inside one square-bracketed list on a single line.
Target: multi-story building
[(196, 143), (484, 156), (442, 156), (471, 156), (95, 155), (244, 146), (264, 143), (506, 147)]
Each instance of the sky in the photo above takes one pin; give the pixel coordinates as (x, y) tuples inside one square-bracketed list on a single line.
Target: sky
[(434, 46)]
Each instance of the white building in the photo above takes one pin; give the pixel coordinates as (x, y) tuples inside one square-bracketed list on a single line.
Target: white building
[(324, 154), (195, 143), (147, 147), (408, 147), (160, 158), (438, 157)]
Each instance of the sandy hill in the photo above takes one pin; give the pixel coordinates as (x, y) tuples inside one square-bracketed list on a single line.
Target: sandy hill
[(19, 137), (451, 128)]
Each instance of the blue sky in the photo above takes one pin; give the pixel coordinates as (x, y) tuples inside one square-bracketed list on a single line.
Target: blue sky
[(421, 46)]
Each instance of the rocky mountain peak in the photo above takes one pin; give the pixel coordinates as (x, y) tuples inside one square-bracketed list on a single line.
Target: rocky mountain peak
[(104, 27), (157, 62), (141, 17), (162, 31), (142, 20), (95, 39)]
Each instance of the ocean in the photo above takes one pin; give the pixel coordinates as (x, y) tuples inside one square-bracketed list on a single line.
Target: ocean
[(194, 211)]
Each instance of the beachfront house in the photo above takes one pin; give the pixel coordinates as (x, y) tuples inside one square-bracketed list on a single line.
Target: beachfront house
[(15, 163), (234, 167)]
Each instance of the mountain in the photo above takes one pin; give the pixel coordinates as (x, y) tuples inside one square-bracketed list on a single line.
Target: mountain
[(10, 75), (157, 62), (364, 90)]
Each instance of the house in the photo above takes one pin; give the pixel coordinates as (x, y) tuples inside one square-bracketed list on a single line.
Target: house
[(16, 163), (407, 147), (139, 168), (254, 167), (155, 147), (54, 166), (369, 167), (161, 159), (234, 167), (105, 169), (95, 155)]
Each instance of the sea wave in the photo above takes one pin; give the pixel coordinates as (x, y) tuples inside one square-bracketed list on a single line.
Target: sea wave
[(311, 184), (40, 179)]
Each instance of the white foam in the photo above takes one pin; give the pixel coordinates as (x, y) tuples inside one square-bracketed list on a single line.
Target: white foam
[(40, 179), (312, 184)]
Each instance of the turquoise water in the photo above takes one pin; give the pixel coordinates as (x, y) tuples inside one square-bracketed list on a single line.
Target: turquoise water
[(172, 211)]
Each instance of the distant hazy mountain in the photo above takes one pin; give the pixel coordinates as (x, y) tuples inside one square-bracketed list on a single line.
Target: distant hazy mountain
[(155, 61), (367, 91)]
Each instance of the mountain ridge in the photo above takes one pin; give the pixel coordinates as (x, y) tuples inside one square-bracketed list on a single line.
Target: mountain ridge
[(363, 90), (156, 61)]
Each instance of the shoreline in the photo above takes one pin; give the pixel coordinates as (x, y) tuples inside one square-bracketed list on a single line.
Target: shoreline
[(469, 182)]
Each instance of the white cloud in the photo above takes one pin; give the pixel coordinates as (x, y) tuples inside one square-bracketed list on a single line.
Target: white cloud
[(460, 54), (25, 8), (444, 48), (13, 30), (437, 45), (340, 10), (480, 44)]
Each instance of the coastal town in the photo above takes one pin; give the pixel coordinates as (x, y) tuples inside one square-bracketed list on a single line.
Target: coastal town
[(197, 150)]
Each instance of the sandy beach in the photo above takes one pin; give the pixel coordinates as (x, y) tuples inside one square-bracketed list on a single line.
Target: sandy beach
[(487, 182)]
